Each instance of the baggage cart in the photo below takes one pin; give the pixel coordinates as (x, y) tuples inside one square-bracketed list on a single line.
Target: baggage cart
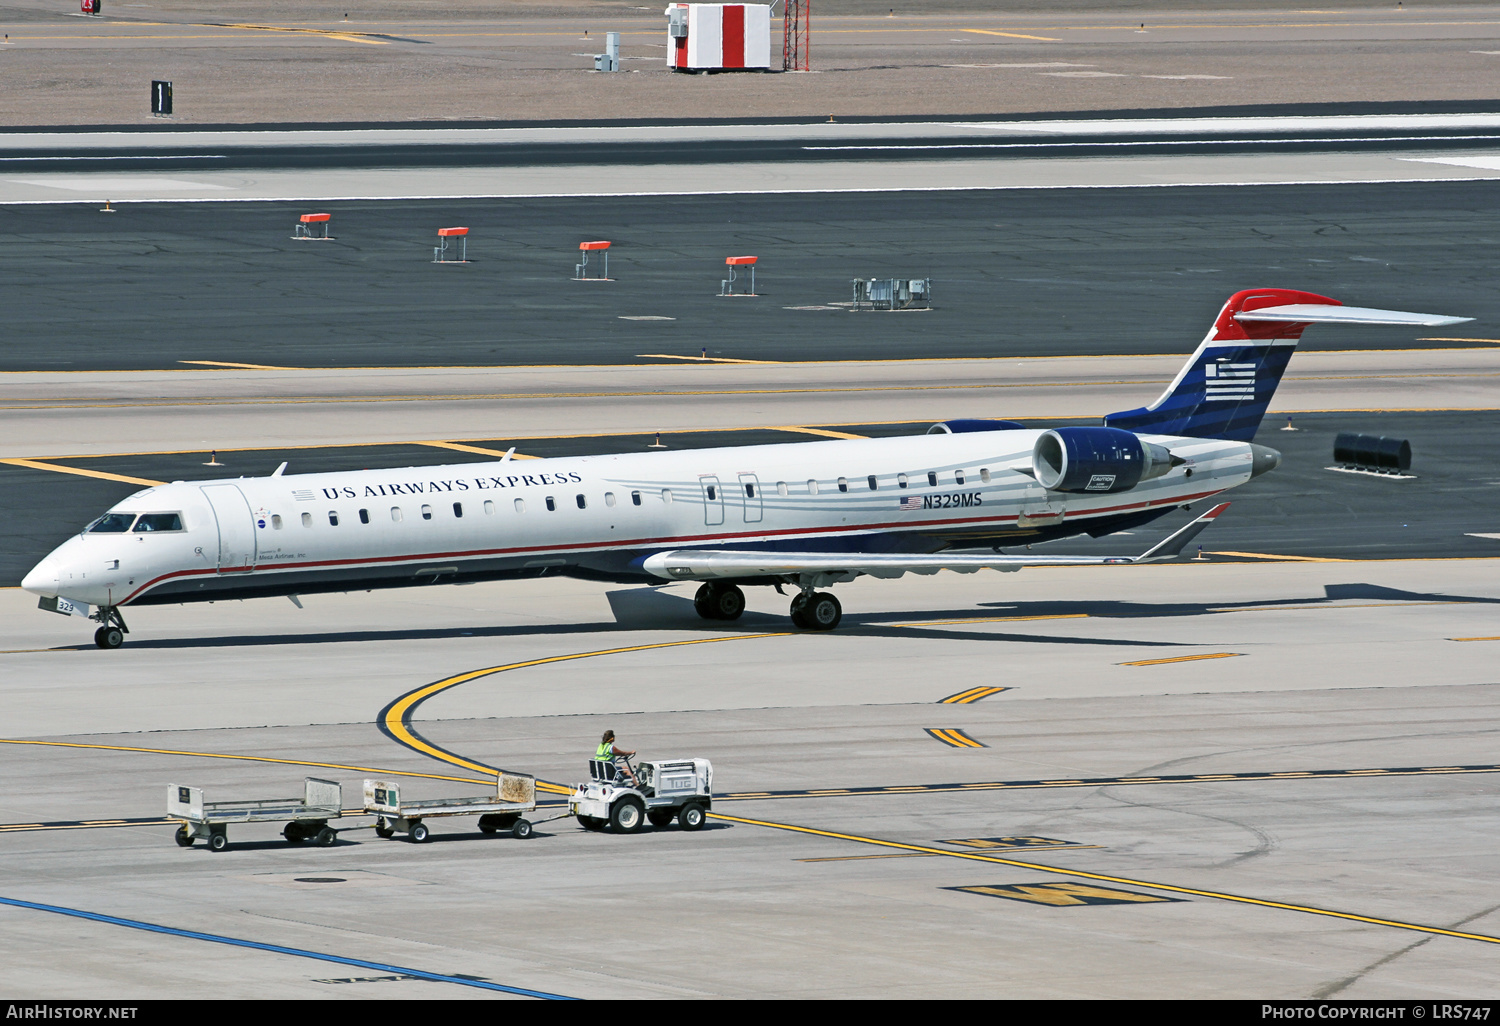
[(515, 795), (306, 818)]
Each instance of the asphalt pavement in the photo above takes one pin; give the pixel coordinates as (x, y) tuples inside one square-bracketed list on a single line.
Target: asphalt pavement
[(1088, 271)]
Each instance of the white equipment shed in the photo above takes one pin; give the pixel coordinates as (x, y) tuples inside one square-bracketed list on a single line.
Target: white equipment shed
[(719, 37)]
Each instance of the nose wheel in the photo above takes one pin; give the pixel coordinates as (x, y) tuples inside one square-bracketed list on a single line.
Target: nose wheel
[(112, 629), (816, 611)]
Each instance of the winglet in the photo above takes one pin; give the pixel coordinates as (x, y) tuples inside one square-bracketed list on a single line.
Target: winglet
[(1172, 546)]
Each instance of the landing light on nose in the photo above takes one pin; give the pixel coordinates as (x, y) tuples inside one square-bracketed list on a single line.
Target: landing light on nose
[(1262, 459)]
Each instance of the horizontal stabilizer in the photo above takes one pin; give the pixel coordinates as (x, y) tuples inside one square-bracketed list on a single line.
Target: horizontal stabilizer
[(713, 564), (1318, 313)]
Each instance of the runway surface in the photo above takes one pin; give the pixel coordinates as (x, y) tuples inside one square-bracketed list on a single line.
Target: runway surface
[(1015, 274)]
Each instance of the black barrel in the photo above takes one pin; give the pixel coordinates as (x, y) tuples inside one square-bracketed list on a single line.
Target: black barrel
[(1372, 452), (1394, 453)]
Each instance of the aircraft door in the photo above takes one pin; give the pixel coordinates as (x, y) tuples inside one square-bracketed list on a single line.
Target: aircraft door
[(713, 499), (1040, 508), (236, 527), (750, 498)]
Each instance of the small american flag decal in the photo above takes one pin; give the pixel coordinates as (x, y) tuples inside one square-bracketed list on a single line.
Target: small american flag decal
[(911, 502)]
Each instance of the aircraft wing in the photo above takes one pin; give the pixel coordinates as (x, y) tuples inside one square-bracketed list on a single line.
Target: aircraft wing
[(709, 564)]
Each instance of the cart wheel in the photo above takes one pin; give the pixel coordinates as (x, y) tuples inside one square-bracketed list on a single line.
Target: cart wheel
[(293, 833), (326, 837), (660, 817), (487, 824), (218, 842), (627, 815), (418, 832), (691, 817), (591, 822), (384, 829), (521, 830), (183, 837)]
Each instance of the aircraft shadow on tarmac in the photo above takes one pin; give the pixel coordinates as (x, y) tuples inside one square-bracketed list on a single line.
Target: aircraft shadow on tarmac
[(649, 609)]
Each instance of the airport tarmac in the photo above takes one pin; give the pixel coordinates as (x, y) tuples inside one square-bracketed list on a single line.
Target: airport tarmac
[(1250, 781), (470, 59), (1265, 773)]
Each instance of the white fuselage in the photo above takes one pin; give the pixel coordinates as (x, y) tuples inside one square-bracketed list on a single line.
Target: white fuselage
[(600, 516)]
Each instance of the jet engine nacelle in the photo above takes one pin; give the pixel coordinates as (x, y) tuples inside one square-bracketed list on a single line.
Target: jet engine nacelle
[(1096, 460)]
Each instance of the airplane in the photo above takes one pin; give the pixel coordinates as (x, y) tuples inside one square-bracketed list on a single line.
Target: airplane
[(807, 515)]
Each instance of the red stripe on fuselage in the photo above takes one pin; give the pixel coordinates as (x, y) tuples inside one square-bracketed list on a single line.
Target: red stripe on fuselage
[(676, 541)]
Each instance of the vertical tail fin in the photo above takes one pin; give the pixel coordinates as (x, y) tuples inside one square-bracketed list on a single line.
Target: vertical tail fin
[(1223, 391)]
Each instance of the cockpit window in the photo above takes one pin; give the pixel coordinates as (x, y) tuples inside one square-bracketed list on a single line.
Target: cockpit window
[(158, 522), (112, 523)]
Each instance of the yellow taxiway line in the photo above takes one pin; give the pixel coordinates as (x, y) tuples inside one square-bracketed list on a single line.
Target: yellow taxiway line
[(1108, 878)]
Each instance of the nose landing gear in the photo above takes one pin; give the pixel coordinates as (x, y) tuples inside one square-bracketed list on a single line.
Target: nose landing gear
[(113, 630)]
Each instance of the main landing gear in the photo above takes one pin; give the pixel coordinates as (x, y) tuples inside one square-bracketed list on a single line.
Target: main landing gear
[(816, 611), (811, 610), (113, 630), (718, 601)]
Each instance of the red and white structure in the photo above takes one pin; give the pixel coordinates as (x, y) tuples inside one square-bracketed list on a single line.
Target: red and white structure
[(719, 37)]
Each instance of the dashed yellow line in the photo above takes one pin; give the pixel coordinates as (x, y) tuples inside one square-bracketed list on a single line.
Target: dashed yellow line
[(1108, 878), (953, 737), (971, 695)]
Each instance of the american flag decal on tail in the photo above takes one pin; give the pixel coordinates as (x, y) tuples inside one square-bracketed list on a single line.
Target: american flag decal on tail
[(1229, 380)]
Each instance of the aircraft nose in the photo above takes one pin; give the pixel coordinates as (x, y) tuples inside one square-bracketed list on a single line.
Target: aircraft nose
[(42, 580), (1263, 459)]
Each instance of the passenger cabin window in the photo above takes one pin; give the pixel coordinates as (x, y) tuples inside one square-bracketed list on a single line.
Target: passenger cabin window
[(364, 516), (635, 498), (520, 505), (666, 495), (749, 491), (843, 484), (609, 498), (872, 483), (958, 477), (458, 510), (781, 488), (275, 521), (158, 522), (307, 520), (984, 474), (112, 523), (812, 488), (551, 504), (900, 480), (395, 514), (582, 502), (333, 518), (489, 507), (426, 512), (713, 493), (932, 478)]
